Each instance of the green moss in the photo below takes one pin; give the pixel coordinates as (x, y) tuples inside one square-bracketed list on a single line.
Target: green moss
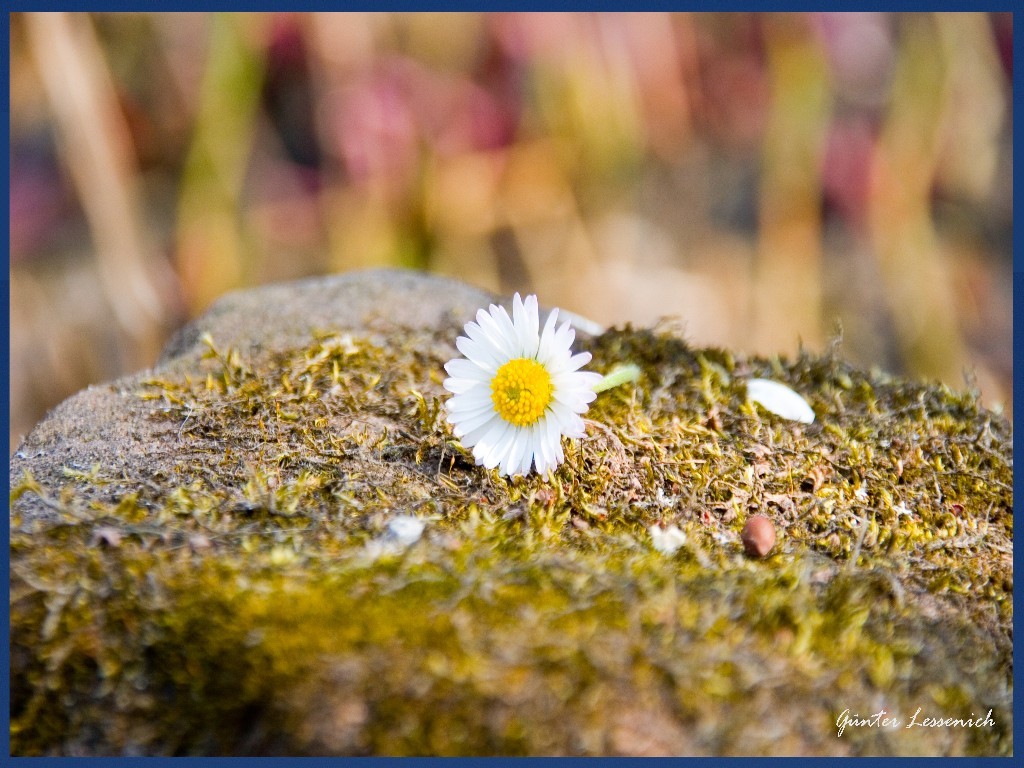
[(240, 604)]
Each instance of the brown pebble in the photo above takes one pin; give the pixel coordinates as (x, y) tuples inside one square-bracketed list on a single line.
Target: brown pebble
[(758, 536)]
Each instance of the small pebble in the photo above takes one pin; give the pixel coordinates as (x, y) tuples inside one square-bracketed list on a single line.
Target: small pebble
[(758, 536)]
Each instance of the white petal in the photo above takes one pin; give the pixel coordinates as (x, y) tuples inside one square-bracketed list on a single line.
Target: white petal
[(505, 448), (464, 425), (667, 541), (529, 453), (581, 395), (475, 332), (569, 423), (481, 335), (518, 314), (561, 361), (562, 414), (546, 338), (406, 529), (554, 435), (582, 389), (564, 337), (473, 400), (481, 353), (502, 451), (520, 449), (485, 445), (539, 462), (495, 448), (576, 379), (507, 327), (461, 386), (532, 447), (526, 335), (551, 451), (533, 317), (548, 437), (578, 360), (780, 400), (473, 436), (515, 457), (502, 340), (460, 368), (575, 400)]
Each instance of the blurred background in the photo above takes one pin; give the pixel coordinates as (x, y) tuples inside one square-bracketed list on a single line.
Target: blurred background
[(773, 181)]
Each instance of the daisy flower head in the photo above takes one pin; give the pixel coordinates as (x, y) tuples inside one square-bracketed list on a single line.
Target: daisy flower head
[(519, 389)]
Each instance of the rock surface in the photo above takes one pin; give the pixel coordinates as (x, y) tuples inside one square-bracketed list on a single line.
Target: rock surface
[(202, 561), (108, 424)]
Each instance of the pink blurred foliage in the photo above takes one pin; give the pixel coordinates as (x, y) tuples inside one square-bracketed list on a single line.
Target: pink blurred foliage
[(384, 119), (39, 200), (846, 173)]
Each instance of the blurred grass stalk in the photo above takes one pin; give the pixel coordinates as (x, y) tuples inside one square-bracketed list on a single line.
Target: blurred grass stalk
[(916, 280), (213, 248), (787, 297), (96, 145)]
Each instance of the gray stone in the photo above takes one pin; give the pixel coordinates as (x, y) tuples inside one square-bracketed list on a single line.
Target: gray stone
[(203, 561)]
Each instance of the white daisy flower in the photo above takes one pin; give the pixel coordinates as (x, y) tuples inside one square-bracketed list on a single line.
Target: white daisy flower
[(519, 389)]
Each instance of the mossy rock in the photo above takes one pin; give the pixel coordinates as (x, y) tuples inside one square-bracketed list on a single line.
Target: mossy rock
[(200, 559)]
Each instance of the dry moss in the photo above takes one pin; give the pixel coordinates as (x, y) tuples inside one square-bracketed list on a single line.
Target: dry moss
[(239, 602)]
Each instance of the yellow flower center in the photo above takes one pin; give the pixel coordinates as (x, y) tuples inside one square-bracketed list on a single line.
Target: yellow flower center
[(521, 391)]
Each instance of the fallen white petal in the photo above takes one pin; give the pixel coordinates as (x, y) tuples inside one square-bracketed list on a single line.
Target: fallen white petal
[(780, 400), (667, 541), (406, 529)]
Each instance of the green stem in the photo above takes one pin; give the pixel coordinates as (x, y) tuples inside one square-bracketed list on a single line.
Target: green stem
[(619, 375)]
